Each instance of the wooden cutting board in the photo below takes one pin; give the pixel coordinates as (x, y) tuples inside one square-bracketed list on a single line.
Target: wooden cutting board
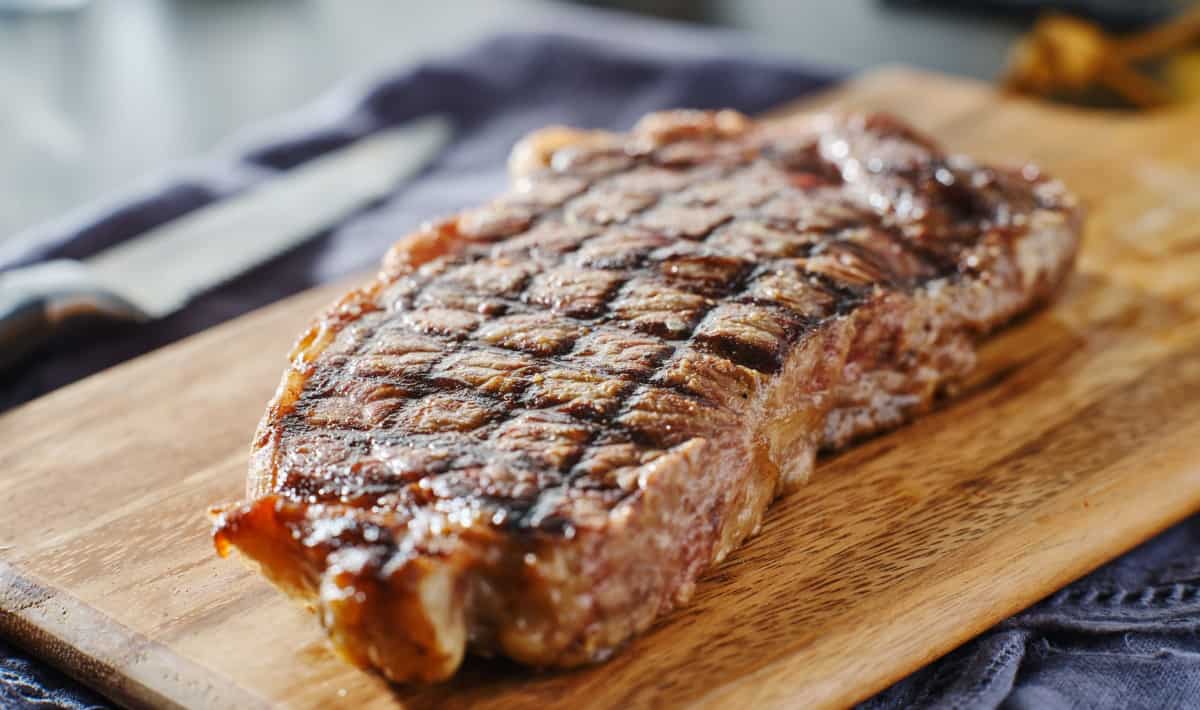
[(1078, 438)]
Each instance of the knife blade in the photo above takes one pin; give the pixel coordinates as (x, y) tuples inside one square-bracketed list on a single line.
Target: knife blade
[(158, 272)]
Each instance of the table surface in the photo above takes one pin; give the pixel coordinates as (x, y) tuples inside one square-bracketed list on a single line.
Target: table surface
[(95, 100)]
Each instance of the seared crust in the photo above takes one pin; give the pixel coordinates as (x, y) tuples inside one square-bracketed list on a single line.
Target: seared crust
[(543, 419)]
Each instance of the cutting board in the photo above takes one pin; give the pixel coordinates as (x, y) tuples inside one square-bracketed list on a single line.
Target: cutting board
[(1077, 438)]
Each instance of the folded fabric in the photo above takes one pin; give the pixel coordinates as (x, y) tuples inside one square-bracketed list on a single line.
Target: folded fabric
[(1124, 637), (25, 683)]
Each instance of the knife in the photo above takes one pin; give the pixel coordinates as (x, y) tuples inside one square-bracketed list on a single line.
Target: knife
[(157, 273)]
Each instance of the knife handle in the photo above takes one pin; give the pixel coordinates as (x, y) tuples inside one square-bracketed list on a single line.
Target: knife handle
[(35, 301)]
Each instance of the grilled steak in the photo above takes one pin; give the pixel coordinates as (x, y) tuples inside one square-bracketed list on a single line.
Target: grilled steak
[(545, 418)]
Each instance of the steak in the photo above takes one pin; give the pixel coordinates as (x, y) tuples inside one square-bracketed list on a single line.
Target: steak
[(544, 419)]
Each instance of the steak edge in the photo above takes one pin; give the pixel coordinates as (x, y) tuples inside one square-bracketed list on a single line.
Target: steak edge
[(541, 422)]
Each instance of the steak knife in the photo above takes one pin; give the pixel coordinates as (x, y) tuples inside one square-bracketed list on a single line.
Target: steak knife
[(158, 272)]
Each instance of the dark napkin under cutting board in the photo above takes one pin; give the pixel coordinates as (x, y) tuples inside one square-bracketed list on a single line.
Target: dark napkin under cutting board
[(1126, 636)]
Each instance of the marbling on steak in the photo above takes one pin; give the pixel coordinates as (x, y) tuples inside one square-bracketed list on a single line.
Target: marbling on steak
[(548, 416)]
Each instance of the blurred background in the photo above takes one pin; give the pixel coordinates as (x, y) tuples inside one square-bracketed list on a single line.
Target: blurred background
[(95, 96)]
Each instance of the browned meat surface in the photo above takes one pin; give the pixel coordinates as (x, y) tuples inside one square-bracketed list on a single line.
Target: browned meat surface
[(546, 417)]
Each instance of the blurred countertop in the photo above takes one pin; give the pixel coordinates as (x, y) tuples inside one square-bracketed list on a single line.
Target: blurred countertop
[(94, 100)]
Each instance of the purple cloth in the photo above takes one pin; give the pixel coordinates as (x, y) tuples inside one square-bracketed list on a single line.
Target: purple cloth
[(1123, 637)]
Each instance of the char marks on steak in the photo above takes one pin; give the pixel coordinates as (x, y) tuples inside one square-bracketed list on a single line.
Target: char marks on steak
[(546, 417)]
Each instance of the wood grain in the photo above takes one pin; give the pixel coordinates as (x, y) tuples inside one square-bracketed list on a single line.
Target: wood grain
[(1078, 437)]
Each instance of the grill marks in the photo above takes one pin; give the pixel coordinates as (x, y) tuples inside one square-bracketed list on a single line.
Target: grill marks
[(581, 393), (787, 283), (753, 335), (620, 352), (701, 269), (616, 305), (535, 333), (608, 206), (574, 291), (651, 306), (685, 221), (492, 372)]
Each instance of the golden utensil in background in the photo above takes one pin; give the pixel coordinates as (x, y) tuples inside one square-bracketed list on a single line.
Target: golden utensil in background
[(1072, 58)]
